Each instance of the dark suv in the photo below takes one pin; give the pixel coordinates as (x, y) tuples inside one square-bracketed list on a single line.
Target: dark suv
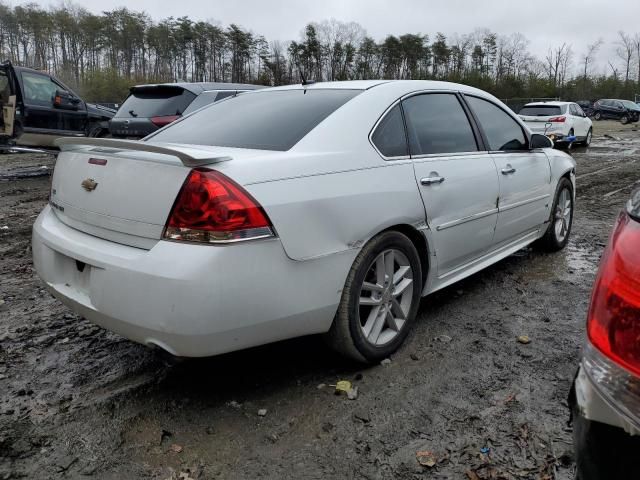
[(624, 110), (150, 107), (37, 108)]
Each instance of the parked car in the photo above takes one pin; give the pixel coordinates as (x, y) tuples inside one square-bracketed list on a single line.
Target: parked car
[(586, 106), (37, 108), (150, 107), (624, 110), (295, 210), (558, 120), (605, 398)]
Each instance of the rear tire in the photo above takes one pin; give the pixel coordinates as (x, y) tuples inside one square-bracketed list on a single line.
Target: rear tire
[(379, 301), (560, 219)]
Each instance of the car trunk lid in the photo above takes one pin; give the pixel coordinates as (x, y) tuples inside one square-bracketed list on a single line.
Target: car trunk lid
[(122, 190)]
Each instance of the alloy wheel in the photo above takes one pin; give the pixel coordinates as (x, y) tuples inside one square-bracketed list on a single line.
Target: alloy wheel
[(562, 222), (385, 297)]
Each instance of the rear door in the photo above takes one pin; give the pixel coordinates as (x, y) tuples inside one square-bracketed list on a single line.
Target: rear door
[(458, 182), (525, 175)]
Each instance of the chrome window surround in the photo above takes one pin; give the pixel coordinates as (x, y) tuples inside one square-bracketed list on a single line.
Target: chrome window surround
[(426, 155)]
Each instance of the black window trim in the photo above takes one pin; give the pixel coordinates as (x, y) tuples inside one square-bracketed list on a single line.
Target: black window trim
[(517, 119)]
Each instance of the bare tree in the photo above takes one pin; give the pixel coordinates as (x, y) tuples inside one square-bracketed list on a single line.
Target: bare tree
[(558, 61), (636, 44), (625, 50), (589, 57)]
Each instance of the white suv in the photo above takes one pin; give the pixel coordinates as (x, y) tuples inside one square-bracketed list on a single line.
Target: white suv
[(560, 121)]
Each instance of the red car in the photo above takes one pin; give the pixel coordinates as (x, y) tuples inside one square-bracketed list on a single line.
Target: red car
[(605, 398)]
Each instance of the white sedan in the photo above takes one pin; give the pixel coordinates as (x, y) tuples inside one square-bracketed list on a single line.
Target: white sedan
[(327, 208), (559, 120)]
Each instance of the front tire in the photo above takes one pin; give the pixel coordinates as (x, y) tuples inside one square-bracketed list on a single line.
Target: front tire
[(379, 301), (561, 218), (597, 116), (624, 119), (588, 138)]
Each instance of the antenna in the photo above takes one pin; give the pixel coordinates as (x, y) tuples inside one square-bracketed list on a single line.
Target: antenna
[(303, 80)]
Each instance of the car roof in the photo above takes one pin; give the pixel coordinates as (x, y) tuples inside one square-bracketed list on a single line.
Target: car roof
[(401, 86), (199, 87)]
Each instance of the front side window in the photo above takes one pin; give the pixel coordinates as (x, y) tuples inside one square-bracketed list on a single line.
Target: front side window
[(437, 123), (38, 89), (264, 120), (501, 130), (389, 136)]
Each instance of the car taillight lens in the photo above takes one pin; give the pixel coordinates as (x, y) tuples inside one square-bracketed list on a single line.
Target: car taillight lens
[(557, 119), (164, 120), (613, 324), (212, 208)]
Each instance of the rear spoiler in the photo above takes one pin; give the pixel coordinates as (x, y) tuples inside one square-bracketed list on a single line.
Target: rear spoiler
[(189, 156)]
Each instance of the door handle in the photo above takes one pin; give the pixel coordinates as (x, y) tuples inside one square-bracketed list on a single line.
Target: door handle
[(508, 170), (431, 180)]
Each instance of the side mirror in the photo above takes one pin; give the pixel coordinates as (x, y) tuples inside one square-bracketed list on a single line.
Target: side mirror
[(65, 100), (540, 141)]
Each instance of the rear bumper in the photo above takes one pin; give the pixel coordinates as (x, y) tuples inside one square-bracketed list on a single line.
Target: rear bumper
[(606, 433), (191, 300), (603, 449)]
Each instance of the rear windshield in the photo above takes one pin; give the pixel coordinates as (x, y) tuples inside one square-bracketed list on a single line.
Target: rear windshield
[(541, 110), (155, 103), (266, 120)]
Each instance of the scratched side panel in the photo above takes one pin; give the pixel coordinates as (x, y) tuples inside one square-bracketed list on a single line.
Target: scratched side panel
[(324, 214)]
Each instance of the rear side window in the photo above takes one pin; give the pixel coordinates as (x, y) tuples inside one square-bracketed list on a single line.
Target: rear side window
[(540, 111), (265, 120), (501, 130), (389, 136), (436, 123), (155, 102)]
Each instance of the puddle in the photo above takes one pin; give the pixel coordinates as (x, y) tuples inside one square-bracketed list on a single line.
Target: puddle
[(571, 263)]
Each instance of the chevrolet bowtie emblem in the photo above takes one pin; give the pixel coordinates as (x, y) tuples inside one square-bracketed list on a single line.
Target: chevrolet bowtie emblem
[(89, 184)]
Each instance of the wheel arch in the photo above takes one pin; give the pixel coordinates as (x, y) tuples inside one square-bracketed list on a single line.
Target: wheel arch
[(419, 241)]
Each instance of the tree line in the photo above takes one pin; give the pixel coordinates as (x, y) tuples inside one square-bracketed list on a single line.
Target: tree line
[(101, 55)]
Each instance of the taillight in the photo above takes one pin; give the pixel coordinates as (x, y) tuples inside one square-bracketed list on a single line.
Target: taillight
[(212, 208), (557, 119), (164, 120), (613, 324)]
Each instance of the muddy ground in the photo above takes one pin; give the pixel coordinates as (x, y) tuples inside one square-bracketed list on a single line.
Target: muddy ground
[(79, 402)]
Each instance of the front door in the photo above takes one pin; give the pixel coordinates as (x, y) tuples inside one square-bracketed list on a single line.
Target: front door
[(48, 114), (524, 175), (458, 182), (8, 100)]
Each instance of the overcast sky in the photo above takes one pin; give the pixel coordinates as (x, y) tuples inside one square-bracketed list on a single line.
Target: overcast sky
[(544, 23)]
